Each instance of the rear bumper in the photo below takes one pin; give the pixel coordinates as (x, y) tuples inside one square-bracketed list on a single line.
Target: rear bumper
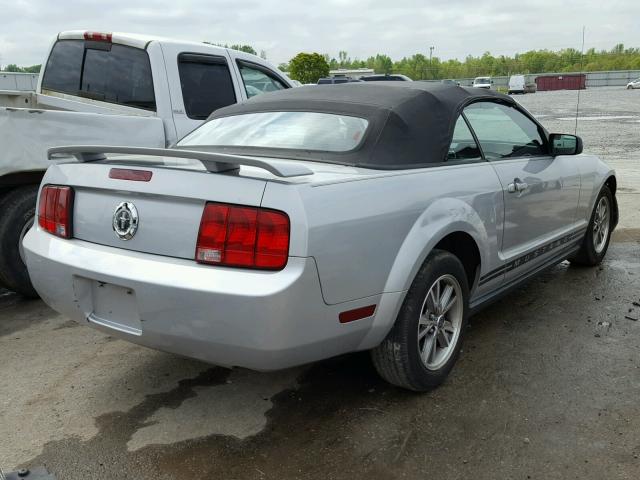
[(230, 317)]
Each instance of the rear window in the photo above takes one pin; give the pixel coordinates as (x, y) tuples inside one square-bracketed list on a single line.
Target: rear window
[(285, 130), (64, 67), (101, 71), (120, 75), (206, 84)]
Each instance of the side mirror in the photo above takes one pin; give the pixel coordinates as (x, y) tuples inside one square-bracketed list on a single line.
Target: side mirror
[(563, 144)]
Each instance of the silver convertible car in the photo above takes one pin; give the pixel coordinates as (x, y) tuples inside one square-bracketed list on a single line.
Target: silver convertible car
[(316, 221)]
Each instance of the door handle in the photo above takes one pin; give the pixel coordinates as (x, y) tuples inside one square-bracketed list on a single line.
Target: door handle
[(517, 186)]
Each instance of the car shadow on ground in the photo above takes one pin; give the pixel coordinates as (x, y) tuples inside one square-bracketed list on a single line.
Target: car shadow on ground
[(26, 312)]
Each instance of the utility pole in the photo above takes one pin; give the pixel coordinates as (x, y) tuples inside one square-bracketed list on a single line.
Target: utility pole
[(430, 55)]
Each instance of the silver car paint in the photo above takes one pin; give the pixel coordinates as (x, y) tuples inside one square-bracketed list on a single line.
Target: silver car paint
[(358, 237)]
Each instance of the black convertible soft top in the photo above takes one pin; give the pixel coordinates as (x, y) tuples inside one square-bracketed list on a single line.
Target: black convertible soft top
[(410, 123)]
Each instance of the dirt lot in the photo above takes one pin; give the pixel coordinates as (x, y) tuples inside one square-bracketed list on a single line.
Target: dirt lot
[(543, 389)]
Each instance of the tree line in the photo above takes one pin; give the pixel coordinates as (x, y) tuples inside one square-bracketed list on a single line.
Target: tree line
[(12, 67), (420, 67)]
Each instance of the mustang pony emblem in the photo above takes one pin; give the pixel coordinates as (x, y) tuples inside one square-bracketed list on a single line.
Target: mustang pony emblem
[(125, 220)]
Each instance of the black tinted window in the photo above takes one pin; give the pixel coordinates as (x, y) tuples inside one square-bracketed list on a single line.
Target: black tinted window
[(62, 72), (111, 73), (463, 146), (119, 75), (386, 78), (324, 81), (504, 132), (206, 84)]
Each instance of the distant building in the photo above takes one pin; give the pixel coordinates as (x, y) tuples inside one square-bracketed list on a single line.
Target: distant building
[(351, 72)]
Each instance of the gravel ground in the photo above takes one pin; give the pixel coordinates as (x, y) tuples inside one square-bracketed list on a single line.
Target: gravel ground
[(547, 385)]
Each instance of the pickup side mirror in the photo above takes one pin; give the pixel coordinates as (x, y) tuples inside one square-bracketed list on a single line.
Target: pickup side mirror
[(563, 144)]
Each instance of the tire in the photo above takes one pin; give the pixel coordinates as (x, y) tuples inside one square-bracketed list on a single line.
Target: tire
[(596, 240), (18, 211), (399, 358)]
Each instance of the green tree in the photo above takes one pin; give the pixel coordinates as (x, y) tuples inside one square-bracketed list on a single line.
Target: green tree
[(244, 48), (32, 69), (237, 46), (12, 67), (344, 60), (308, 67), (380, 64)]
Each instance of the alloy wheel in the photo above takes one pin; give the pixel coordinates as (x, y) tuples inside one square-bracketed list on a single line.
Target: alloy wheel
[(601, 224), (440, 322)]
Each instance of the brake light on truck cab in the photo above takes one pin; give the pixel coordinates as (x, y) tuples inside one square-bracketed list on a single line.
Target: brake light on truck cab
[(239, 236), (98, 37), (54, 210)]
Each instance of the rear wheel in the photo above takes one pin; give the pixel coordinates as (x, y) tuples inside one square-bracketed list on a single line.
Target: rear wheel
[(425, 341), (596, 240), (16, 218)]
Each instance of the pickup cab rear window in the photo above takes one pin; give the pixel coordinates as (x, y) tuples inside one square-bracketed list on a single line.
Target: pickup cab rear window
[(101, 71), (283, 130)]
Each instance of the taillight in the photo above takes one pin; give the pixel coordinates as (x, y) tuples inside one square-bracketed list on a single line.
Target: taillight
[(98, 36), (238, 236), (54, 210)]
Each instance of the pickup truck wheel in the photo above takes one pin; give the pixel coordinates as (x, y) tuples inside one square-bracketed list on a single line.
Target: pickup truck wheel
[(16, 217), (596, 240), (425, 341)]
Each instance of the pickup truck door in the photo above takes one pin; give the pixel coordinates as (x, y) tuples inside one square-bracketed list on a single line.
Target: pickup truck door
[(541, 192), (200, 81)]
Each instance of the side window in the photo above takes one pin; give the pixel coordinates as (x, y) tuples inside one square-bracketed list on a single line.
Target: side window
[(463, 146), (62, 73), (119, 75), (504, 132), (206, 84), (257, 80)]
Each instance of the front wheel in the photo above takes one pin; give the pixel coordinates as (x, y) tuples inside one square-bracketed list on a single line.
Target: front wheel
[(424, 343), (596, 240)]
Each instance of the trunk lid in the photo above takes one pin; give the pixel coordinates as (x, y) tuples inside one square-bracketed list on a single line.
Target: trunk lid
[(169, 206)]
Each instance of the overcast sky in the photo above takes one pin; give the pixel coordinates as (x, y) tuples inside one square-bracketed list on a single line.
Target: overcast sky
[(283, 28)]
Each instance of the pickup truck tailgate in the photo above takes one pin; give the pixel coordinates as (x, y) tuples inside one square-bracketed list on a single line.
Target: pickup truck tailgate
[(169, 205)]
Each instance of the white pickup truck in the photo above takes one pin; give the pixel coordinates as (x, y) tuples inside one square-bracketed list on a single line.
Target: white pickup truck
[(109, 89)]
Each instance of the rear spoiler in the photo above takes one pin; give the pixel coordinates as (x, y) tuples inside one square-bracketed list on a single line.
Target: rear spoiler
[(213, 162)]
